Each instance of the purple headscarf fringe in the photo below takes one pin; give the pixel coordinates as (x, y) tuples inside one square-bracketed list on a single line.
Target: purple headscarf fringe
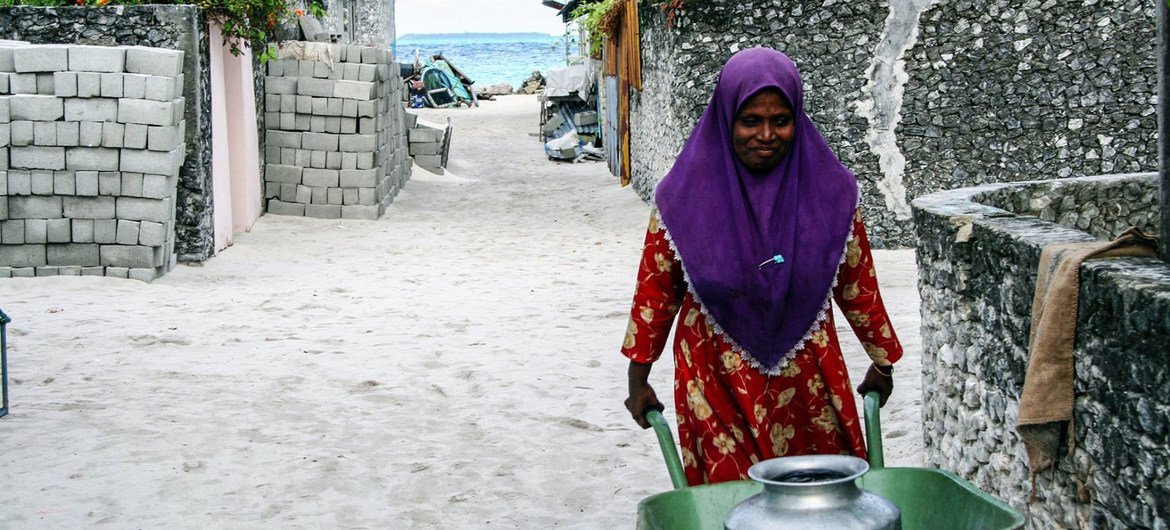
[(735, 347)]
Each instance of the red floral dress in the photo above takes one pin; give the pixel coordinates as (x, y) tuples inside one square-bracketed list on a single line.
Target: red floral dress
[(730, 415)]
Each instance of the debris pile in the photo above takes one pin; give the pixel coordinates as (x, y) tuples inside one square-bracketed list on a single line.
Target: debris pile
[(437, 83), (568, 117), (429, 143)]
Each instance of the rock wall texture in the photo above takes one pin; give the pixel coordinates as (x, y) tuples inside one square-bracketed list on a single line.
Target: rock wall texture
[(918, 96), (177, 27), (978, 252)]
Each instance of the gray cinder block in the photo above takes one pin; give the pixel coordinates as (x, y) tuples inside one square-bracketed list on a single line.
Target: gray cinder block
[(304, 194), (359, 143), (153, 61), (82, 230), (143, 275), (12, 232), (356, 90), (113, 135), (326, 178), (89, 134), (304, 104), (91, 109), (333, 124), (88, 207), (65, 84), (21, 133), (19, 182), (132, 184), (58, 231), (22, 83), (319, 141), (105, 231), (134, 85), (68, 133), (166, 138), (130, 256), (349, 196), (288, 192), (348, 125), (365, 160), (323, 211), (117, 272), (97, 58), (354, 211), (36, 231), (87, 183), (93, 271), (322, 70), (303, 158), (45, 133), (288, 103), (275, 67), (282, 173), (425, 134), (317, 123), (349, 108), (359, 178), (135, 136), (281, 85), (64, 183), (317, 159), (333, 160), (283, 208), (154, 162), (93, 159), (34, 157), (35, 108), (316, 87), (283, 139), (127, 232), (430, 161), (158, 186), (5, 114), (136, 209), (45, 85), (89, 85), (109, 183), (320, 196), (334, 106), (112, 85), (160, 88), (152, 234), (20, 256), (41, 58), (334, 196), (146, 112), (319, 106), (367, 196)]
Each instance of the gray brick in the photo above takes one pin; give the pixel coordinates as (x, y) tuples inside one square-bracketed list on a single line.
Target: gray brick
[(319, 106), (127, 232), (147, 112), (302, 122), (350, 72), (334, 107), (365, 160), (288, 103), (91, 109), (113, 135), (58, 230), (132, 184), (65, 84), (271, 154), (333, 160), (283, 208), (47, 271), (45, 85), (12, 232), (322, 70), (23, 272), (35, 108), (157, 210), (428, 148), (3, 208), (5, 83), (355, 211), (288, 121), (356, 90), (283, 139), (143, 275), (431, 161), (366, 196), (112, 85), (425, 134), (367, 126), (288, 156), (45, 133), (97, 58), (89, 134), (20, 256), (302, 158), (87, 183), (93, 159), (317, 159), (6, 62), (349, 196), (280, 85), (159, 88), (89, 207), (349, 108), (153, 61), (64, 183), (68, 133), (105, 231), (316, 87), (319, 141), (117, 272), (129, 256), (304, 104), (327, 178), (41, 58), (135, 136), (134, 86), (152, 234), (36, 231), (334, 196), (288, 192), (33, 157), (158, 186), (359, 143), (304, 194), (23, 83), (348, 125), (359, 178), (317, 123), (69, 270), (19, 182), (164, 138), (349, 160), (82, 230), (93, 271), (274, 67), (154, 162), (21, 133), (367, 72), (323, 211), (282, 173), (89, 85), (109, 183), (320, 196), (5, 112)]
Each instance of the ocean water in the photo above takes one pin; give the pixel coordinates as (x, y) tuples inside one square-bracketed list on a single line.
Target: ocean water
[(491, 58)]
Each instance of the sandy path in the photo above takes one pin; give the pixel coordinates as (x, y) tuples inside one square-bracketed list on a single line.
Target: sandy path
[(452, 364)]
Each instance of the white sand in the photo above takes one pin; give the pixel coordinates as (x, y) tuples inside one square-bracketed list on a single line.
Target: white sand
[(453, 364)]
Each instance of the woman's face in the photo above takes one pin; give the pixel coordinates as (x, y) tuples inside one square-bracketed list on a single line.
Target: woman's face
[(763, 131)]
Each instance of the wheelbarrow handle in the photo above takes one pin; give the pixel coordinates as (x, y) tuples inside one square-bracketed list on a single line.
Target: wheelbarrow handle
[(873, 429), (674, 466)]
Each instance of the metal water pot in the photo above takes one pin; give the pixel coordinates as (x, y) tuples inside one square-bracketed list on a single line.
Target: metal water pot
[(810, 493)]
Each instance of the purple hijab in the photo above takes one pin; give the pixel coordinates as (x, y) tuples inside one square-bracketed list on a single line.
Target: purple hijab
[(723, 220)]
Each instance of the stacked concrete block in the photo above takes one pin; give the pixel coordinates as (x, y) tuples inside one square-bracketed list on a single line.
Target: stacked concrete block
[(429, 143), (91, 140), (333, 139)]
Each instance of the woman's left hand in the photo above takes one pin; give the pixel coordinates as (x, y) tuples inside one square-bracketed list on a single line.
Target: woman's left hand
[(876, 381)]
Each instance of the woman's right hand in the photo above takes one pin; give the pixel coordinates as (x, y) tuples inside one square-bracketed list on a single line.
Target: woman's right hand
[(642, 396)]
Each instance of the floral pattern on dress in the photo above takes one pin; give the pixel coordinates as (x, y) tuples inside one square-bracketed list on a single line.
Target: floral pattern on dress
[(731, 415)]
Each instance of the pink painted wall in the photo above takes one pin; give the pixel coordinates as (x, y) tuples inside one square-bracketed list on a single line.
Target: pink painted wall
[(235, 155)]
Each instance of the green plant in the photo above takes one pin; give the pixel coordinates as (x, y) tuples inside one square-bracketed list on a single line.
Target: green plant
[(592, 17)]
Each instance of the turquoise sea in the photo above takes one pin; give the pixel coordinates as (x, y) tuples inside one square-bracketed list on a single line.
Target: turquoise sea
[(490, 58)]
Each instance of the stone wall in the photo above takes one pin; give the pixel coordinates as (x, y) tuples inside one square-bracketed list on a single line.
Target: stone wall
[(977, 268), (918, 97), (177, 27), (91, 139), (334, 134)]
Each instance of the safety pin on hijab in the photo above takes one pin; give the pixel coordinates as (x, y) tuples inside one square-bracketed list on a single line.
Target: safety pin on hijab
[(777, 259)]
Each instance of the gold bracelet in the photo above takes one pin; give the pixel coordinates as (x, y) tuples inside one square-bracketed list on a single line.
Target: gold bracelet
[(889, 373)]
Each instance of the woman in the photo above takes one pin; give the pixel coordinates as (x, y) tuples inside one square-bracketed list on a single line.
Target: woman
[(756, 229)]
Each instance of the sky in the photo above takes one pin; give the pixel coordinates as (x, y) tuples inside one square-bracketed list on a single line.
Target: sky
[(475, 16)]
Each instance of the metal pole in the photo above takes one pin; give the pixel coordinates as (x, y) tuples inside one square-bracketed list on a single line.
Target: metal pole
[(1164, 122)]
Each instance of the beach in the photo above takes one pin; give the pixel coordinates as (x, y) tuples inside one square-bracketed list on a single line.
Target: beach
[(453, 364)]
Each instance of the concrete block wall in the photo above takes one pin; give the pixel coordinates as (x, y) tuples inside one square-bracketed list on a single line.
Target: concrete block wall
[(429, 143), (91, 143), (333, 139)]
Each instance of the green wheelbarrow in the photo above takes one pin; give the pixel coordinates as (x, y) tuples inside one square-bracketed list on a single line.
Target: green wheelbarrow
[(928, 498)]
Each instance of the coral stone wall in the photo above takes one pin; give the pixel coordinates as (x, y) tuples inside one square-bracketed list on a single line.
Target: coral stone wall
[(918, 97), (177, 27), (977, 257)]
